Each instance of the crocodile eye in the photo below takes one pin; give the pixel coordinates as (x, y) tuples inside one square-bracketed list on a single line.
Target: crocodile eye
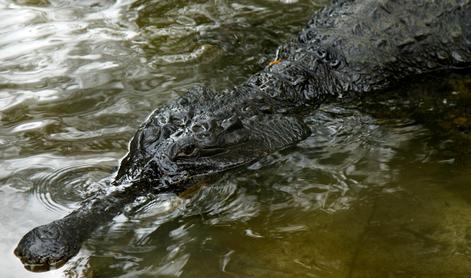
[(187, 151)]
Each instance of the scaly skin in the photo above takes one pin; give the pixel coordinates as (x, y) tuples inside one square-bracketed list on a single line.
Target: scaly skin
[(350, 47)]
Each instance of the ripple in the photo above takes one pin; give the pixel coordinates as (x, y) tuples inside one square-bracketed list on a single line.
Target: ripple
[(152, 206), (180, 58), (60, 189), (32, 126), (224, 202), (37, 166), (10, 101), (73, 134), (46, 42), (348, 152), (173, 267)]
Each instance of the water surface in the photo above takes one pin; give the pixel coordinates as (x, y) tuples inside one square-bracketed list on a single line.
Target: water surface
[(380, 188)]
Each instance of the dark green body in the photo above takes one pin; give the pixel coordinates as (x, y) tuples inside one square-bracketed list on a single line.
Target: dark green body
[(351, 47)]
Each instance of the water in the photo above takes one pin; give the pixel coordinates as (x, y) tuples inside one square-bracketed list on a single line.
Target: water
[(380, 188)]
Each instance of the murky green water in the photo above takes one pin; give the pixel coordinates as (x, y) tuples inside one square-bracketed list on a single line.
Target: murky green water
[(382, 187)]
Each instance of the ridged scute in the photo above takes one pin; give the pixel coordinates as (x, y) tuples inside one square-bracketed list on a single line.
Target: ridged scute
[(385, 41)]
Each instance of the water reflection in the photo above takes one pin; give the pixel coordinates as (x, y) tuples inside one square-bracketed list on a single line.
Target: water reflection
[(254, 222), (380, 187)]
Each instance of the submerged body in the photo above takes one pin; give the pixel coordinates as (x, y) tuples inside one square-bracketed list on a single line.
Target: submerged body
[(350, 47)]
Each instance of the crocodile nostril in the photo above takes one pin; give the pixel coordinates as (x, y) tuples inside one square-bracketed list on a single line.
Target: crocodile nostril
[(321, 53), (335, 63)]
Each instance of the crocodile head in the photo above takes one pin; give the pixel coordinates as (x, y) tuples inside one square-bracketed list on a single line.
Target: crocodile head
[(204, 144)]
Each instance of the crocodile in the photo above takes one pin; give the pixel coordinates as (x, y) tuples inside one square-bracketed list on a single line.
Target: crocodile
[(349, 48)]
